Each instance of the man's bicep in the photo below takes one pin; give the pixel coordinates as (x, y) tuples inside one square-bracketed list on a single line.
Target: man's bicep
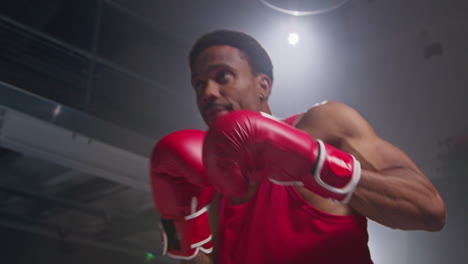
[(376, 154), (373, 152), (343, 127)]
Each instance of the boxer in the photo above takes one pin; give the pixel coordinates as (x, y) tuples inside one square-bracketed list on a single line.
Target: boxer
[(297, 190)]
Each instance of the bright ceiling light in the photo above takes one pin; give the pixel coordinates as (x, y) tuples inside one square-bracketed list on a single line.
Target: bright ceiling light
[(324, 7), (293, 38)]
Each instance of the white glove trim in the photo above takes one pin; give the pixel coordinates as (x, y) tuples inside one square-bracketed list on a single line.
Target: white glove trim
[(348, 188)]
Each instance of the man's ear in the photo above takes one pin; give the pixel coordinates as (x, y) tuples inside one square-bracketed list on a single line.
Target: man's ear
[(264, 82)]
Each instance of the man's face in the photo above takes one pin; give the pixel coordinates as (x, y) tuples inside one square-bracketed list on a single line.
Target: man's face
[(223, 82)]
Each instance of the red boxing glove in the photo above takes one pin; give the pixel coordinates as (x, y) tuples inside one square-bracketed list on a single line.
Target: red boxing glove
[(182, 194), (243, 145)]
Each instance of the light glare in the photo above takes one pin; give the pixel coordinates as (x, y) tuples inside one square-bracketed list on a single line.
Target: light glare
[(293, 38)]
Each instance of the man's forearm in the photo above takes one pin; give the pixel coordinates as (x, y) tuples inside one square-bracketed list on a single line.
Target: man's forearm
[(406, 201)]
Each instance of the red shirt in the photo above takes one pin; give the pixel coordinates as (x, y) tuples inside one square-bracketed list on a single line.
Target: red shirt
[(277, 226)]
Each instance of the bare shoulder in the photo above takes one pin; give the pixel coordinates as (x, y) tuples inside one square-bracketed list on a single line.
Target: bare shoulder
[(333, 121)]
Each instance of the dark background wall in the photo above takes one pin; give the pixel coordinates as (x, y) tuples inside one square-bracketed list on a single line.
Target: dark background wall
[(402, 64)]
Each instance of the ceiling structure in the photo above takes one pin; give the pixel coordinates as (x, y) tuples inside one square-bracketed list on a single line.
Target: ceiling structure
[(106, 78)]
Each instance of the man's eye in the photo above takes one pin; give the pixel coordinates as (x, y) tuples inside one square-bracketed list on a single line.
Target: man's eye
[(223, 76), (199, 85)]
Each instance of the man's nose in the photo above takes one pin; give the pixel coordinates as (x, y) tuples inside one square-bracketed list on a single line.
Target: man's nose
[(211, 92)]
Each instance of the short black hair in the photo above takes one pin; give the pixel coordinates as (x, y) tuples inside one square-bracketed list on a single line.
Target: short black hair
[(258, 58)]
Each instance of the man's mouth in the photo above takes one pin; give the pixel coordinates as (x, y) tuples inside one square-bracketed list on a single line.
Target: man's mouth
[(212, 112)]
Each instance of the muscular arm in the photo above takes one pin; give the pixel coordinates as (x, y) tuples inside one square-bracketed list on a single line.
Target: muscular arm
[(392, 190)]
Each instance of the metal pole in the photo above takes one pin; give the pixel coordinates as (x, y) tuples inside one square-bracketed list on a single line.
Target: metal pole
[(98, 59), (67, 204), (57, 232), (144, 20), (93, 59)]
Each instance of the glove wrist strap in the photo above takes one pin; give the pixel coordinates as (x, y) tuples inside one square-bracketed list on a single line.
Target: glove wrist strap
[(183, 238)]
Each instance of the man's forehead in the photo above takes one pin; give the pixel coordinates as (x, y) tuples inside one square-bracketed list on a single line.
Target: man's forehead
[(219, 54)]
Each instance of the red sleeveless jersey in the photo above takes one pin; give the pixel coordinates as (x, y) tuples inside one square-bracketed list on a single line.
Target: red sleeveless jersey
[(277, 226)]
